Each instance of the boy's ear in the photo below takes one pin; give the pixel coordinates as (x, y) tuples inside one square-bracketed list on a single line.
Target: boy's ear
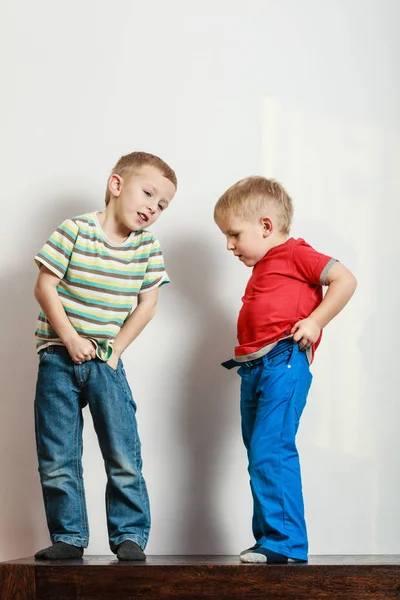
[(266, 225), (115, 184)]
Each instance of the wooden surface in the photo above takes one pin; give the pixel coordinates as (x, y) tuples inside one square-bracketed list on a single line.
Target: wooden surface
[(195, 577), (17, 582)]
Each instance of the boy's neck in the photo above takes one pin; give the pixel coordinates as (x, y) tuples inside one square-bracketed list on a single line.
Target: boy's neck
[(111, 227), (277, 240)]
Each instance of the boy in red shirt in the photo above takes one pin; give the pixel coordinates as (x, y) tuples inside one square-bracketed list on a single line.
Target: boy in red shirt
[(279, 328)]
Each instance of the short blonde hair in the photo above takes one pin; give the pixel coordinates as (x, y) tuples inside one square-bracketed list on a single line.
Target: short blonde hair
[(248, 199), (131, 163)]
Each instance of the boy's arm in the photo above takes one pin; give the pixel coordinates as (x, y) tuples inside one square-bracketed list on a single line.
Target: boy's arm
[(135, 323), (341, 286), (79, 348)]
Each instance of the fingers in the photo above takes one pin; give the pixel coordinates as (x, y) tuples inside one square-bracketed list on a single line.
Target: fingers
[(84, 357), (89, 352), (297, 336), (304, 343)]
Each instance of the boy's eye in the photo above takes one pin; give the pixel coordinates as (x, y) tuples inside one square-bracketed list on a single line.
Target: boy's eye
[(161, 206), (147, 193)]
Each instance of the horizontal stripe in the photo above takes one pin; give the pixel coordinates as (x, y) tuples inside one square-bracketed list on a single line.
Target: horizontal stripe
[(53, 261), (153, 283), (98, 303), (81, 251), (100, 287), (106, 272), (67, 231), (60, 248), (128, 248), (84, 318), (92, 295)]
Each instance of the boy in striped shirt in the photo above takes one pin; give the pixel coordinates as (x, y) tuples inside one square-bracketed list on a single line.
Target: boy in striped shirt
[(97, 287)]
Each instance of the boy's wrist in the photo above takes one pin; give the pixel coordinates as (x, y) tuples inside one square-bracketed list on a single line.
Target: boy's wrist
[(69, 337), (317, 321), (116, 351)]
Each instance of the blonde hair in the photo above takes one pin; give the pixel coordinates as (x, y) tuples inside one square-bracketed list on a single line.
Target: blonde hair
[(249, 198), (131, 163)]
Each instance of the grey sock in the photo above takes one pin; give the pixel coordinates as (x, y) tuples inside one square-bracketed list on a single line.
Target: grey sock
[(129, 550), (60, 551)]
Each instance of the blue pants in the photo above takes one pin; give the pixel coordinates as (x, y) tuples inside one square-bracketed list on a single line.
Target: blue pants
[(63, 389), (273, 396)]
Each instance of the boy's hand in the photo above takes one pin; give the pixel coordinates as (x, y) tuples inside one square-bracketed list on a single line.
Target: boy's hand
[(306, 332), (113, 361), (80, 349)]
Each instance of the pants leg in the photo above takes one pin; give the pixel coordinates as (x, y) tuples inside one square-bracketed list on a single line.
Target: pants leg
[(114, 416), (248, 412), (58, 425), (280, 392)]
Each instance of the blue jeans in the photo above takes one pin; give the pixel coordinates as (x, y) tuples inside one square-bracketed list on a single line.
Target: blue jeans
[(63, 389), (273, 395)]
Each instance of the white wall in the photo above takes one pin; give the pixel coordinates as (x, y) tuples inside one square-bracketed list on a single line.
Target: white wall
[(305, 91)]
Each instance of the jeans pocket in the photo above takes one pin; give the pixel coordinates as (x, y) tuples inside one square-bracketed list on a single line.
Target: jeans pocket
[(281, 359), (43, 356), (110, 367)]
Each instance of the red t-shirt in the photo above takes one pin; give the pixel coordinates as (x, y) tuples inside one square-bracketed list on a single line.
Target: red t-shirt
[(285, 287)]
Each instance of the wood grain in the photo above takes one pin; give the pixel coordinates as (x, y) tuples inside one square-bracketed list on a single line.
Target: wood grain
[(17, 582), (209, 578)]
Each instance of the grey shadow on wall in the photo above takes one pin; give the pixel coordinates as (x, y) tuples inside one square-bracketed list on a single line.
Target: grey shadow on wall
[(208, 411), (22, 520)]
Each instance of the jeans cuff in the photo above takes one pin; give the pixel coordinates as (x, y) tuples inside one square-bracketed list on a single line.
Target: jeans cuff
[(138, 539), (72, 540), (284, 550)]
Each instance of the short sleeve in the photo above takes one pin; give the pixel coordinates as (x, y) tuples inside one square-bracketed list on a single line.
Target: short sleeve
[(56, 253), (156, 274), (310, 265)]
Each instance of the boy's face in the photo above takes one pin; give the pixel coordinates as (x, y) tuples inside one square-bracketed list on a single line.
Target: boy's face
[(141, 197), (248, 240)]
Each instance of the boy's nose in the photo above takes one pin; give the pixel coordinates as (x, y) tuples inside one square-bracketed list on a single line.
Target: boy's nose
[(151, 210), (230, 245)]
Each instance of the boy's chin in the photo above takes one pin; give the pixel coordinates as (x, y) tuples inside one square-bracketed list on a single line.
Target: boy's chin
[(248, 262)]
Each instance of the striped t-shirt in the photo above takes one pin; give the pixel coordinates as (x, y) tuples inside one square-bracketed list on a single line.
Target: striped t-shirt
[(99, 280)]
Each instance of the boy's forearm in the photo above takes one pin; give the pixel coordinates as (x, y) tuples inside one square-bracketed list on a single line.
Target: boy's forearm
[(337, 296), (50, 302), (133, 326)]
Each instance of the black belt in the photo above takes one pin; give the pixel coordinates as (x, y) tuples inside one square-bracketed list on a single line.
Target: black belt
[(280, 347)]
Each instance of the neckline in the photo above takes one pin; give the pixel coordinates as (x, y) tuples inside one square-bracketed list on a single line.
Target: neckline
[(104, 235)]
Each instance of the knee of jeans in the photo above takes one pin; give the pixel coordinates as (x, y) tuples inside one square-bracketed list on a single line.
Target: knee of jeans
[(260, 459), (122, 468), (55, 474)]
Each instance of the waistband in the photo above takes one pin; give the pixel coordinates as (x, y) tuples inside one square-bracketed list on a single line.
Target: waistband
[(53, 349), (281, 346)]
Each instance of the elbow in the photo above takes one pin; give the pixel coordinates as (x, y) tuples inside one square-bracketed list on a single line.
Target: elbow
[(152, 312), (352, 283), (37, 292)]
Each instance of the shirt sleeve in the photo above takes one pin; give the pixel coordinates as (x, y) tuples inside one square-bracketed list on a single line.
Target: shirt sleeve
[(56, 252), (156, 274), (310, 265)]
